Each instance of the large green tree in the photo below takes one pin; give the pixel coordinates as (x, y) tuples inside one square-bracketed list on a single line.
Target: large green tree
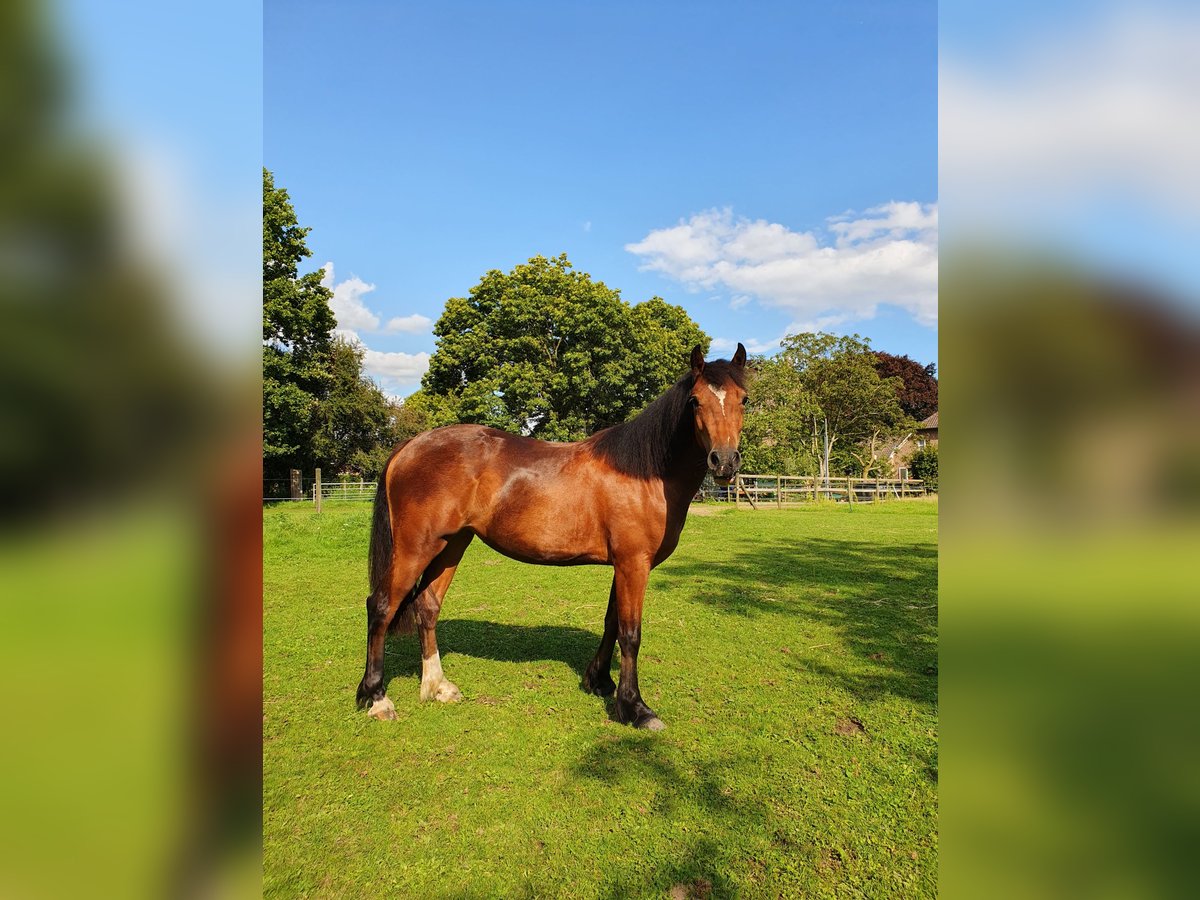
[(297, 337), (663, 338), (544, 350), (777, 430), (851, 405)]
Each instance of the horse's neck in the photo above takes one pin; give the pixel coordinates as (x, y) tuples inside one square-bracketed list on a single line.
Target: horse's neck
[(687, 468)]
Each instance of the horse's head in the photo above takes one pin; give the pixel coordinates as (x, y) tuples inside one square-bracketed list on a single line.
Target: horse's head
[(717, 401)]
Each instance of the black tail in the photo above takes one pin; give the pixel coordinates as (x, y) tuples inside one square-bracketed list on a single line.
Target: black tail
[(380, 568), (381, 540)]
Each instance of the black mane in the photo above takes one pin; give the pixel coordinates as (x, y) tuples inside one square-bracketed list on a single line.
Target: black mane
[(647, 444)]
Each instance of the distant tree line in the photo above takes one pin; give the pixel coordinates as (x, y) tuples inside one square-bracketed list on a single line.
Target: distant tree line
[(318, 407), (547, 351), (829, 405)]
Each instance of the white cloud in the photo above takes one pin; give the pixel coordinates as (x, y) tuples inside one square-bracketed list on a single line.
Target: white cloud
[(395, 370), (885, 255), (349, 335), (821, 323), (414, 324), (354, 315), (347, 304), (728, 345), (396, 373), (891, 220)]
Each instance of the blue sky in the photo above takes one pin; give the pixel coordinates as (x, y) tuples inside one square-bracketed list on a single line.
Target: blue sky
[(767, 168)]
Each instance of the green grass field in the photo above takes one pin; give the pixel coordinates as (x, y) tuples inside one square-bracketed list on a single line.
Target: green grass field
[(792, 654)]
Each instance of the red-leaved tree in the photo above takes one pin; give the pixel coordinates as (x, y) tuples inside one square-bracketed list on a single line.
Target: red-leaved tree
[(919, 396)]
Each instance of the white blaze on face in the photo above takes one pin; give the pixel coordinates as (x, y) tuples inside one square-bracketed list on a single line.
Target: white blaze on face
[(720, 394)]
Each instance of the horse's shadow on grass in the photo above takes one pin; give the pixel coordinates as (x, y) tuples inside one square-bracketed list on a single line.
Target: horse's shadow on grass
[(699, 866), (498, 641), (501, 642), (881, 600)]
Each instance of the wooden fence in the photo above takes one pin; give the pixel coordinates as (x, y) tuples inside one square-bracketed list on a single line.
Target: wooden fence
[(758, 491)]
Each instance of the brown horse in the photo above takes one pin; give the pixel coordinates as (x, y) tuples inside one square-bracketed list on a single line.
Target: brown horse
[(619, 498)]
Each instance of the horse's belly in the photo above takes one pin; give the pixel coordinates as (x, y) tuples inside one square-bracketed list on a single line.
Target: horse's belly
[(537, 531), (547, 556)]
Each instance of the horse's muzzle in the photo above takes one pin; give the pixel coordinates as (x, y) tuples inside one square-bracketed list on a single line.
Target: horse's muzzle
[(724, 464)]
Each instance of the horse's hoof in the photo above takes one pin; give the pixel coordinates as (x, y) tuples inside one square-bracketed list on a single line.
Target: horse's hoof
[(447, 692), (640, 718), (600, 687), (382, 709)]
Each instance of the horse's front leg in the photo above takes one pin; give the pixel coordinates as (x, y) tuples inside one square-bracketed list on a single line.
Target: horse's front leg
[(597, 680), (630, 584)]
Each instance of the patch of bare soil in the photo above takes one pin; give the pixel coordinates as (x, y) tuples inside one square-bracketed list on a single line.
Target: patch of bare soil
[(849, 727), (833, 860), (830, 861), (700, 889)]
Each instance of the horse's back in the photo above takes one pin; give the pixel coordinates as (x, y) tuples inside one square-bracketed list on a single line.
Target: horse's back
[(474, 469), (463, 451)]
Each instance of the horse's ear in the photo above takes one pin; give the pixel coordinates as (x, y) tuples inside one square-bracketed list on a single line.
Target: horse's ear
[(739, 358), (697, 359)]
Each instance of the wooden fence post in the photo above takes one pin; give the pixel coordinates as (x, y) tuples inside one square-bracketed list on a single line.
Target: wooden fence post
[(317, 490), (297, 492), (749, 496)]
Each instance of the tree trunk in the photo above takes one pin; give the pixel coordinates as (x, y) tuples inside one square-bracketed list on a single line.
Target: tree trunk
[(828, 447)]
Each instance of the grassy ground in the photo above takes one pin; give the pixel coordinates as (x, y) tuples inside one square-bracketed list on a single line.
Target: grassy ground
[(792, 654)]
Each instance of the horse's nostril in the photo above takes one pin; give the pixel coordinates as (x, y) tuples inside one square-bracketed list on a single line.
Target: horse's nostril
[(713, 459), (737, 459)]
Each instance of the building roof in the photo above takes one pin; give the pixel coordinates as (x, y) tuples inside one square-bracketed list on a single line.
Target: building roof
[(888, 450)]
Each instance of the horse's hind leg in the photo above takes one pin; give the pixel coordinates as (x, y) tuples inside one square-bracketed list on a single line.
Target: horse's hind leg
[(381, 610), (434, 584)]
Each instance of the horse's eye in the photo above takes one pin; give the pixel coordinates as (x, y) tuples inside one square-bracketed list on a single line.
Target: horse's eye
[(745, 400), (693, 402)]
